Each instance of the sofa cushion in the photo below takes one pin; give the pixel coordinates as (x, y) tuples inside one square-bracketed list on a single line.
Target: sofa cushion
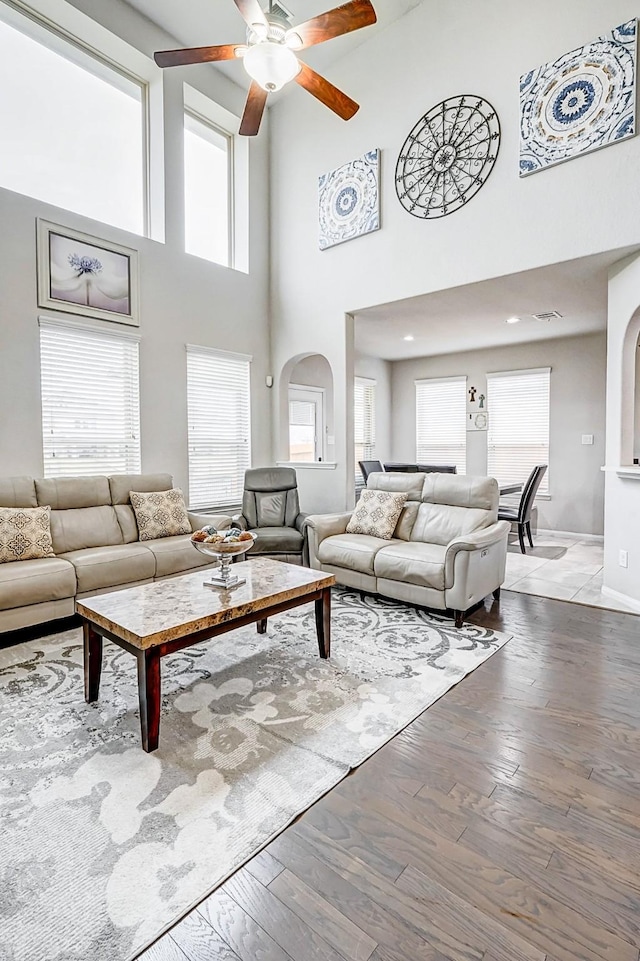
[(176, 554), (160, 513), (413, 563), (25, 533), (277, 540), (18, 492), (100, 567), (376, 514), (441, 523), (66, 493), (35, 582), (460, 490), (406, 521), (78, 528), (354, 551), (121, 484)]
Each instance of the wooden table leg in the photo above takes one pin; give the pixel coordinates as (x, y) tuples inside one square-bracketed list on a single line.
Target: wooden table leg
[(323, 623), (92, 661), (262, 626), (150, 697)]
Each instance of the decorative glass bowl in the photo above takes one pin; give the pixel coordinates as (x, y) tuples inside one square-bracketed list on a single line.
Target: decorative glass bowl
[(223, 551)]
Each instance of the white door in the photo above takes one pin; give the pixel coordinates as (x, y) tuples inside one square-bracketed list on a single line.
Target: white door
[(306, 423)]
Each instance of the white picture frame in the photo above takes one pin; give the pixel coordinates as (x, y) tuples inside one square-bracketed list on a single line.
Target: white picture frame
[(85, 275)]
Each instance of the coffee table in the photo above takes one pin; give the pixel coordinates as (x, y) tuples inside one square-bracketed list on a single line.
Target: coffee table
[(156, 619)]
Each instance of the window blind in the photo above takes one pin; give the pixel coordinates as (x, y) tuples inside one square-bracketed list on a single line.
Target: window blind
[(441, 421), (219, 426), (518, 437), (90, 400), (364, 417)]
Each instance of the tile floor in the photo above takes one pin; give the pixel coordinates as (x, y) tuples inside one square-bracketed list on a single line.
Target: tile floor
[(560, 566)]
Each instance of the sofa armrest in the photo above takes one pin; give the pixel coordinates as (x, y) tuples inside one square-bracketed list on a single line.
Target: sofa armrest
[(219, 521), (319, 526), (326, 525), (240, 521), (300, 522), (476, 541)]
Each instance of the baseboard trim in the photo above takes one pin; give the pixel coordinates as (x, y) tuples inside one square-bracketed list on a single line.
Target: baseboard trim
[(582, 537), (631, 602)]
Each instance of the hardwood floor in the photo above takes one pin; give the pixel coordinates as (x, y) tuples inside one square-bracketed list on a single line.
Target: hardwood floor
[(502, 825)]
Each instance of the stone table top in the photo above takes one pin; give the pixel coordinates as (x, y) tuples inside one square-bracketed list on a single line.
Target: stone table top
[(151, 614)]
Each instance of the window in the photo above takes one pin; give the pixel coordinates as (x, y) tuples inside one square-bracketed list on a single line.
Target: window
[(364, 417), (518, 438), (72, 127), (90, 400), (219, 425), (207, 156), (306, 423), (441, 422)]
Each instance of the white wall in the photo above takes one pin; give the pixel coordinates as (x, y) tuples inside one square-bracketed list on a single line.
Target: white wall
[(380, 371), (183, 299), (577, 406), (436, 51), (622, 491)]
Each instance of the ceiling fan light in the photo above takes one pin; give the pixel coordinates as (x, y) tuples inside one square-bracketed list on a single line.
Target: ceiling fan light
[(293, 40), (271, 65)]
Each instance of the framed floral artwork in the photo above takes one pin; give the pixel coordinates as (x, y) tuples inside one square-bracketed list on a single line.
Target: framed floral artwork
[(84, 275)]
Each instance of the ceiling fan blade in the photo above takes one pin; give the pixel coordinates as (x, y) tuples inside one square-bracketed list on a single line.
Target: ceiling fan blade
[(253, 110), (179, 58), (333, 23), (251, 12), (324, 91)]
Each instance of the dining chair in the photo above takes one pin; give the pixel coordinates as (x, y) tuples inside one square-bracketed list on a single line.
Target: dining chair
[(402, 468), (437, 468), (369, 467), (521, 515)]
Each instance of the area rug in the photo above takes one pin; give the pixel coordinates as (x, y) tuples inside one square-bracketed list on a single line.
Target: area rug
[(104, 846)]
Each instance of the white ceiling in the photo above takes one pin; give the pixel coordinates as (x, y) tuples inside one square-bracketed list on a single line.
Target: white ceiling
[(474, 316), (203, 22)]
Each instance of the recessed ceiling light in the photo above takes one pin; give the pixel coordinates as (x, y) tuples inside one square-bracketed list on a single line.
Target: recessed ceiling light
[(409, 337), (513, 320)]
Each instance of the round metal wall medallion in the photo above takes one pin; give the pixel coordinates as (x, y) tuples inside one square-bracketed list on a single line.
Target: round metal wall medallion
[(447, 157)]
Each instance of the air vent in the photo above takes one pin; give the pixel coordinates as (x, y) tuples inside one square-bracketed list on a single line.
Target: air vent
[(279, 12), (548, 315)]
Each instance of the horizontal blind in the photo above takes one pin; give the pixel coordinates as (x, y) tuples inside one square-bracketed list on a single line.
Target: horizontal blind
[(364, 418), (441, 422), (219, 425), (518, 437), (90, 400)]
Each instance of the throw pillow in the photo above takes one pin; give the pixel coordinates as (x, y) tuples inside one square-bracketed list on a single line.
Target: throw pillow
[(376, 513), (160, 513), (25, 534)]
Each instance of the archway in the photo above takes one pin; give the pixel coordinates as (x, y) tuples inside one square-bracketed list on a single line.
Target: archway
[(306, 410)]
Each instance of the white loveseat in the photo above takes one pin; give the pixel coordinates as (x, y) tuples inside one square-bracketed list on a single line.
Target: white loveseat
[(448, 551)]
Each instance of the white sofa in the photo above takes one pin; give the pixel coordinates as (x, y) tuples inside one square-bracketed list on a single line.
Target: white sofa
[(448, 551), (95, 541)]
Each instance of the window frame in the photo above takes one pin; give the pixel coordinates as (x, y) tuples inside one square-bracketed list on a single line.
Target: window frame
[(544, 490), (193, 350), (72, 31), (194, 114), (427, 458), (366, 383), (107, 333)]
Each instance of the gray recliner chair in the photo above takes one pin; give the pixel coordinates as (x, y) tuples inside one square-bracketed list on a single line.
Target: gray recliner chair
[(271, 510)]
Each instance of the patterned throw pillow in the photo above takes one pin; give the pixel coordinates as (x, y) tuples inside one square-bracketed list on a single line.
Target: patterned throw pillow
[(25, 533), (160, 514), (376, 513)]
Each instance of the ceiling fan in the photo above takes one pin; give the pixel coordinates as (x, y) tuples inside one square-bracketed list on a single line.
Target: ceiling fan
[(269, 54)]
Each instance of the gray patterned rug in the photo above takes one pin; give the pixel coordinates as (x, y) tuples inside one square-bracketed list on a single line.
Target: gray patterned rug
[(104, 846)]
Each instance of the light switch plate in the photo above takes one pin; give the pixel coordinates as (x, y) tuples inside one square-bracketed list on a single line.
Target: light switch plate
[(587, 438)]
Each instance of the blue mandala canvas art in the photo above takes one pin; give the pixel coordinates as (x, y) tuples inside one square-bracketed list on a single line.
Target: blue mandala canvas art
[(349, 200), (584, 100)]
